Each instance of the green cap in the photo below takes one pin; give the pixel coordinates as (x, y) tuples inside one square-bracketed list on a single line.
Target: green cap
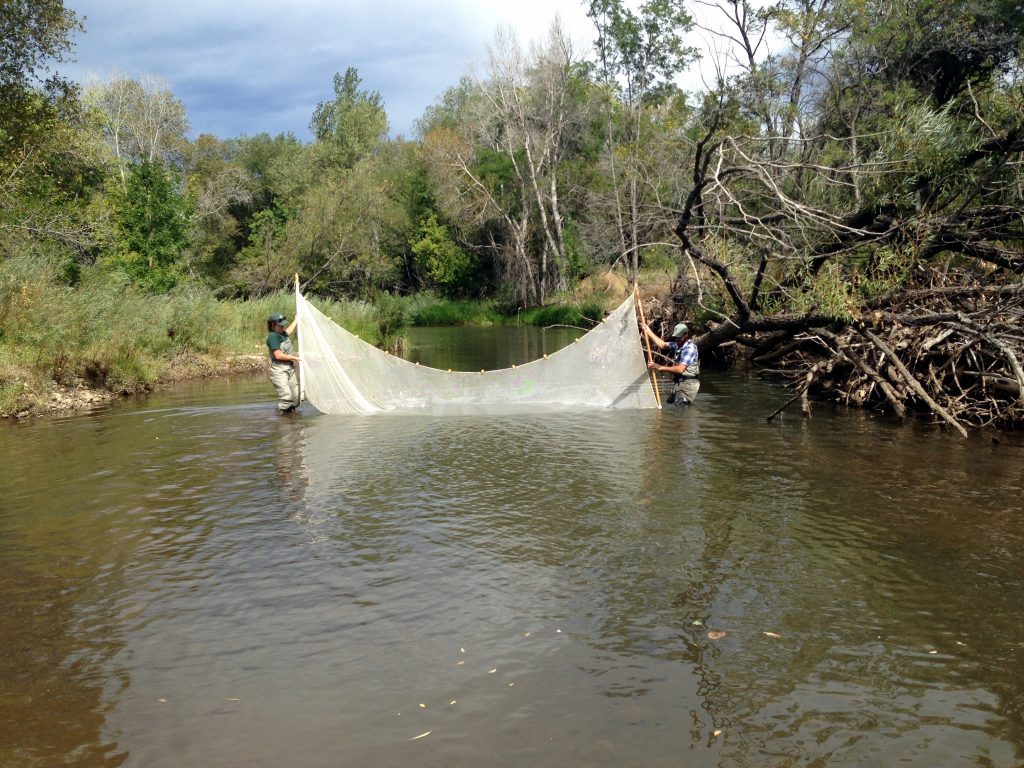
[(277, 317), (680, 330)]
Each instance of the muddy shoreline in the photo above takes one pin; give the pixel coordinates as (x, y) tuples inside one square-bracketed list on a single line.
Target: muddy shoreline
[(82, 395)]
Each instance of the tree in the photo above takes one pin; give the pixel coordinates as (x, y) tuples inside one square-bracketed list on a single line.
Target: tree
[(944, 46), (48, 163), (33, 33), (220, 193), (447, 266), (260, 269), (342, 233), (498, 167), (638, 55), (867, 190), (350, 126), (143, 120), (152, 223)]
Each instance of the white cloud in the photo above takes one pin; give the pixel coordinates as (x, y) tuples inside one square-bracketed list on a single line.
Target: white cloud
[(248, 67)]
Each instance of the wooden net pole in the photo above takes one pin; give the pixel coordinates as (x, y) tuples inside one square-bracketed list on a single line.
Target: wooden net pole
[(647, 343), (298, 342)]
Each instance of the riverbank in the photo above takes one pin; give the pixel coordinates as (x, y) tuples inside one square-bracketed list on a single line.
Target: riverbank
[(53, 399), (72, 346)]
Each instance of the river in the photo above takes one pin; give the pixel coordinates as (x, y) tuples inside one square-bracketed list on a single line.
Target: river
[(191, 580)]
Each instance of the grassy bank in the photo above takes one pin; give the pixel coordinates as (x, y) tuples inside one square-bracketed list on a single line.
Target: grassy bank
[(104, 335), (428, 310)]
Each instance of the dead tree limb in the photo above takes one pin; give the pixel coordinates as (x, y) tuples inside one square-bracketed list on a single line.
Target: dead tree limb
[(913, 383)]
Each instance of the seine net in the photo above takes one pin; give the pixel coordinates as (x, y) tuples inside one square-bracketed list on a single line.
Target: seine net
[(603, 368)]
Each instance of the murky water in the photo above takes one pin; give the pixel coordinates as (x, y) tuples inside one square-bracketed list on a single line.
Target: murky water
[(191, 580)]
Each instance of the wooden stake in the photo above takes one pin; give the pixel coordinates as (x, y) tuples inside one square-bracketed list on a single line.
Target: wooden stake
[(647, 343), (298, 343)]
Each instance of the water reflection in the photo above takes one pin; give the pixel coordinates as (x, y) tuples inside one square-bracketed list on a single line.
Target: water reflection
[(194, 581)]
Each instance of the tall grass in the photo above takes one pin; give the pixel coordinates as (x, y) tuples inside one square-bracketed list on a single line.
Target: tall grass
[(426, 309), (104, 332), (583, 314)]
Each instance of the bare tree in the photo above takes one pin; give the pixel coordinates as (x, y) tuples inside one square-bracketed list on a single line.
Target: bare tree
[(522, 115), (142, 119)]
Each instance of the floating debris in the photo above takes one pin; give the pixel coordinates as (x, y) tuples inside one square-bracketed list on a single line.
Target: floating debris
[(558, 631), (421, 736), (716, 634), (527, 634), (492, 671), (772, 634), (451, 703), (162, 701), (459, 663), (462, 650), (718, 732), (423, 706), (698, 623), (231, 698)]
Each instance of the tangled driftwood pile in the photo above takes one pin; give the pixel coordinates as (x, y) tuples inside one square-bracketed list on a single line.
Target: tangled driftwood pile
[(953, 350)]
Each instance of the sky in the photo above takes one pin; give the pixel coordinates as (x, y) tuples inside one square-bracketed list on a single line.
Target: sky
[(250, 66)]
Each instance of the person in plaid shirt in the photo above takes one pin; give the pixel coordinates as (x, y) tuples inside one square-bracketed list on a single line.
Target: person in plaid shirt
[(685, 368)]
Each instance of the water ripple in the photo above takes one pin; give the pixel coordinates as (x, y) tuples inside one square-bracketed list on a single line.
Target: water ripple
[(206, 584)]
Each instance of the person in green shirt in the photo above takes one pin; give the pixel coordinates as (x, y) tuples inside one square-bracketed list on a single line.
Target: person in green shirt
[(283, 363)]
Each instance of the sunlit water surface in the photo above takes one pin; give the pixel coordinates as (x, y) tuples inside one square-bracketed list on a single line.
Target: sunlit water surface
[(190, 580)]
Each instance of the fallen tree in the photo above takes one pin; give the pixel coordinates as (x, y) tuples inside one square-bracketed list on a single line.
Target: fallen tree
[(864, 240), (954, 352)]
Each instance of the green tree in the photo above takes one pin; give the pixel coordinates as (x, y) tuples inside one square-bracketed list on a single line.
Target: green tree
[(943, 46), (220, 193), (260, 268), (351, 125), (48, 164), (278, 166), (447, 266), (342, 237), (33, 33), (152, 226)]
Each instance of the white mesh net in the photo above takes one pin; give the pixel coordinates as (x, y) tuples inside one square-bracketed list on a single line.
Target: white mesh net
[(604, 368)]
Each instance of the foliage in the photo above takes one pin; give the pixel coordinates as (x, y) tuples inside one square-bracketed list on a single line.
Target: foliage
[(426, 309), (943, 47), (585, 314), (881, 140), (259, 269), (341, 236), (352, 125), (448, 267), (142, 120), (638, 50), (33, 33), (105, 330), (152, 222), (48, 167)]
